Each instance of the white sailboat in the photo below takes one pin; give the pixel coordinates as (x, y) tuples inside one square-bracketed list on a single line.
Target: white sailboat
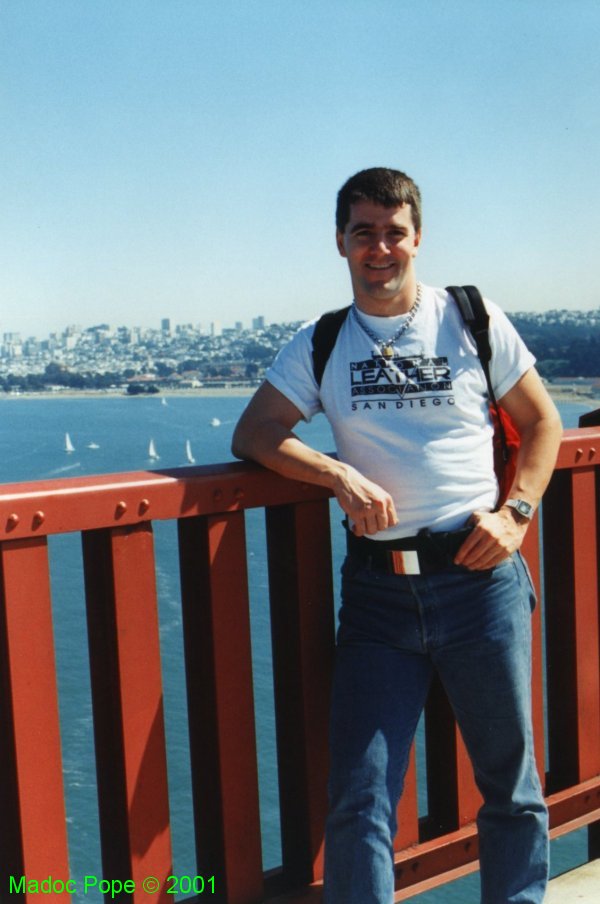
[(215, 422), (93, 445), (188, 453), (163, 401), (69, 447), (152, 453)]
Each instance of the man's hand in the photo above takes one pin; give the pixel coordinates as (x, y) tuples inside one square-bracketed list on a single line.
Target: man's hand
[(367, 505), (264, 434), (496, 536)]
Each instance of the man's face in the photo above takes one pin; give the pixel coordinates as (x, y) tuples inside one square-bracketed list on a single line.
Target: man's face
[(380, 245)]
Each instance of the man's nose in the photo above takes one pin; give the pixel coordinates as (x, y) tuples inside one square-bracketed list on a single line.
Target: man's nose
[(380, 243)]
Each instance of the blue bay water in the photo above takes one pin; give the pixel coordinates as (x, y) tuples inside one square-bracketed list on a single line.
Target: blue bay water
[(32, 448)]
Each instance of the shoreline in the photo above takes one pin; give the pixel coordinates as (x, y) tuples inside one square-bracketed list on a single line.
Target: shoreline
[(214, 392), (571, 395), (557, 394)]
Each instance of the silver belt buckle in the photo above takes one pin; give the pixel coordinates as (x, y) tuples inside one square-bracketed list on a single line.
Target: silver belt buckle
[(405, 561)]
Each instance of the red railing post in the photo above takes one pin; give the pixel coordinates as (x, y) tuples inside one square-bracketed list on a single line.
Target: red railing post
[(573, 653), (128, 707), (33, 837), (531, 551), (221, 705), (302, 630)]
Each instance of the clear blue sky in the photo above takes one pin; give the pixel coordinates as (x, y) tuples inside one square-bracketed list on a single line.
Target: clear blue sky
[(180, 158)]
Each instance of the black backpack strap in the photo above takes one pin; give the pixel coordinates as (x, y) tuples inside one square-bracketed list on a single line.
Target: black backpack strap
[(324, 338), (475, 315)]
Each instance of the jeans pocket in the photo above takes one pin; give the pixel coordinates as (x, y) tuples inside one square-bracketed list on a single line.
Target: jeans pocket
[(350, 568), (526, 579)]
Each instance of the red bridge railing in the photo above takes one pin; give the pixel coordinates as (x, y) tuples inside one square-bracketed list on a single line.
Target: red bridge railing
[(114, 516)]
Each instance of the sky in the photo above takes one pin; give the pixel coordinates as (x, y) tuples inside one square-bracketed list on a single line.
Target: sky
[(181, 158)]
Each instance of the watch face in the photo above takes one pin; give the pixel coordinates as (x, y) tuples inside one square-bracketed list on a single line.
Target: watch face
[(522, 507)]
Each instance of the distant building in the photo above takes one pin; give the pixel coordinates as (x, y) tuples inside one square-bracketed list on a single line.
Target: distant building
[(258, 323), (216, 329), (165, 325)]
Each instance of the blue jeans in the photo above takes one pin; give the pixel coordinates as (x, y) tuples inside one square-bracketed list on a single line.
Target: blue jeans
[(396, 631)]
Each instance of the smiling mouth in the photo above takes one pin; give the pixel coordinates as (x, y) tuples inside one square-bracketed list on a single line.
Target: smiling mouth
[(380, 267)]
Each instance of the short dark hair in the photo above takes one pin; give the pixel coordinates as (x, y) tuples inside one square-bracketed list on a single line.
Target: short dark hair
[(387, 187)]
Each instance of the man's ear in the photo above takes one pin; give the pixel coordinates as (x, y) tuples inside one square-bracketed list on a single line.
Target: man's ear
[(417, 242), (339, 240)]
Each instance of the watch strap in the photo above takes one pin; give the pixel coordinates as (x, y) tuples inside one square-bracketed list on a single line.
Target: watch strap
[(524, 508)]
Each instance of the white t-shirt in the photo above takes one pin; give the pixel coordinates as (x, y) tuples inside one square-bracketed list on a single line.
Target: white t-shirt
[(420, 426)]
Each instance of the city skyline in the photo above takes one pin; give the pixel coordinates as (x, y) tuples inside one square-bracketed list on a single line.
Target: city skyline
[(184, 158), (211, 328), (256, 323), (565, 344), (168, 328)]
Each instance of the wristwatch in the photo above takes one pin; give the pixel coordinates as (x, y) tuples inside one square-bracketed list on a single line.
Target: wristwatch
[(523, 508)]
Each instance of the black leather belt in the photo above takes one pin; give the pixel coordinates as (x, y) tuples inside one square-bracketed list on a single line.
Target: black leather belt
[(424, 553)]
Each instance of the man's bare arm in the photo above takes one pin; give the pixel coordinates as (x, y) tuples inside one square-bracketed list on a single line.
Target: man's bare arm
[(265, 434), (498, 534)]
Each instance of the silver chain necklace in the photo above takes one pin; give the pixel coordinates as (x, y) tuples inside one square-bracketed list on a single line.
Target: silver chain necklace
[(386, 346)]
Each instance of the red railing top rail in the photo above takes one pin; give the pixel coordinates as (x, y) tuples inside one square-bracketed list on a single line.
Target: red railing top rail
[(39, 508)]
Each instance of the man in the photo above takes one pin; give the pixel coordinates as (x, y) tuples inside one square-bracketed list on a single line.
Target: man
[(406, 397)]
